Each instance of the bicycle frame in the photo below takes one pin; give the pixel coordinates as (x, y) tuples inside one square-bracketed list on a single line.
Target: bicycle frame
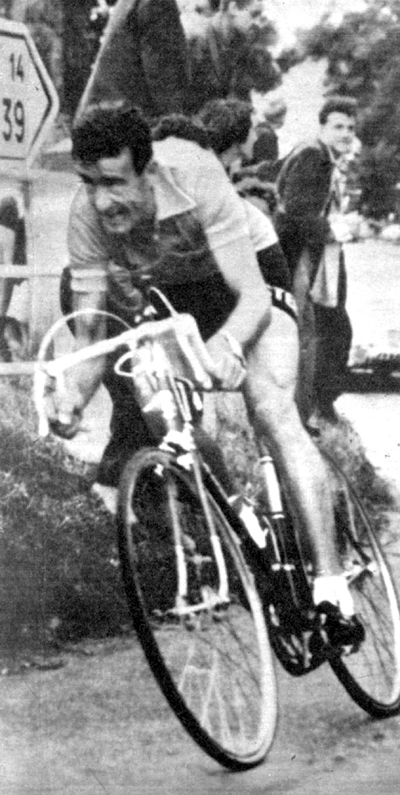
[(175, 393)]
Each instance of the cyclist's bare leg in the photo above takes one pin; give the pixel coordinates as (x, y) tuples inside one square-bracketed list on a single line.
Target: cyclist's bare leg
[(269, 393)]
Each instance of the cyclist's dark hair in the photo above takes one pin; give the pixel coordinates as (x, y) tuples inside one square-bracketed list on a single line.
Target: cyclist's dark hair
[(338, 104), (180, 126), (227, 121), (105, 128)]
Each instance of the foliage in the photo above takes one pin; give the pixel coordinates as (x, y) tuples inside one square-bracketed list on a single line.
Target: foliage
[(59, 577), (364, 62)]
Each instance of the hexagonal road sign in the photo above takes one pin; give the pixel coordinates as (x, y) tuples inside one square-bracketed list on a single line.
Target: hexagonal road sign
[(28, 99)]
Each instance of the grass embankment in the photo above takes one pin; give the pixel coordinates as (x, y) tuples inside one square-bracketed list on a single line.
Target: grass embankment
[(59, 575)]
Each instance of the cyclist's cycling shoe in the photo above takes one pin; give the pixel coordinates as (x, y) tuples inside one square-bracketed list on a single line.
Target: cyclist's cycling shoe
[(343, 634)]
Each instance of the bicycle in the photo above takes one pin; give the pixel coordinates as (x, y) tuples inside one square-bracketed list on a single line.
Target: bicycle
[(207, 601)]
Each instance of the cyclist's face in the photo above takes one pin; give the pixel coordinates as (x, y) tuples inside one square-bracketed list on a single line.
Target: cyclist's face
[(338, 132), (121, 197)]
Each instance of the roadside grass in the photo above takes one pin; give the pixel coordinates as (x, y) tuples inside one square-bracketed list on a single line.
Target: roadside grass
[(59, 569), (59, 578)]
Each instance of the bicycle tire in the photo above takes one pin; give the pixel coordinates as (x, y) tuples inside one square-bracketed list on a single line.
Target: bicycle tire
[(371, 675), (212, 660)]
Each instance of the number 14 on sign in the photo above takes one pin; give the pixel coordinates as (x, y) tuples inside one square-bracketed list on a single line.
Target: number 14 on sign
[(14, 111)]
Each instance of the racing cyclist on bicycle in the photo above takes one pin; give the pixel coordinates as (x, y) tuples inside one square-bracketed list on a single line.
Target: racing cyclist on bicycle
[(165, 213)]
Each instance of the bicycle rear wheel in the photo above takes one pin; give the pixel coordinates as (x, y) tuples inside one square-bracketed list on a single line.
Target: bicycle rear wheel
[(196, 611), (371, 675)]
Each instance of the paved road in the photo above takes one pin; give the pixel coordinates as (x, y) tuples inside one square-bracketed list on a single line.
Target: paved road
[(373, 304)]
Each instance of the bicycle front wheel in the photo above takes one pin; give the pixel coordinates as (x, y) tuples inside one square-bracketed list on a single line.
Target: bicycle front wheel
[(371, 675), (196, 611)]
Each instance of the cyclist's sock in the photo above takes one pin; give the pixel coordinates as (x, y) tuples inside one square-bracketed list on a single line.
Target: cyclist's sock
[(334, 588)]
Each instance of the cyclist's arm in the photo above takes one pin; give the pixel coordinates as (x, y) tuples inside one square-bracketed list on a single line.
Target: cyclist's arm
[(252, 311), (80, 382), (89, 328), (250, 316), (88, 266)]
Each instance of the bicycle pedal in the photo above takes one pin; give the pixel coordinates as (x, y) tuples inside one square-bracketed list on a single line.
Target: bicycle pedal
[(342, 634)]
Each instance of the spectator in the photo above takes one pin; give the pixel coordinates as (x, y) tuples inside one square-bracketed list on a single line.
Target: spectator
[(266, 154), (307, 222), (150, 47), (142, 58), (231, 134)]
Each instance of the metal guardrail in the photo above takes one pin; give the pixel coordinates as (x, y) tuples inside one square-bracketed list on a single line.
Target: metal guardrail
[(24, 272)]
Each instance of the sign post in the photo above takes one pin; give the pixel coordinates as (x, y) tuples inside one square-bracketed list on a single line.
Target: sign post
[(28, 100), (28, 108)]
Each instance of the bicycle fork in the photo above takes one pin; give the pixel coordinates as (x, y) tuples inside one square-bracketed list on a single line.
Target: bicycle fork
[(211, 598)]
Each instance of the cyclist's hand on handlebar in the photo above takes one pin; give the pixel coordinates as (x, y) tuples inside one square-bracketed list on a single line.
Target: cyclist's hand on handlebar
[(67, 429), (64, 416), (229, 364)]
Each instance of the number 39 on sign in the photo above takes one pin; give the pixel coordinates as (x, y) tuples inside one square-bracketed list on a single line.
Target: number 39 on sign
[(28, 100)]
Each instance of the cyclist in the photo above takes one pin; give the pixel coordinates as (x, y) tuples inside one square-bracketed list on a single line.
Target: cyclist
[(166, 213)]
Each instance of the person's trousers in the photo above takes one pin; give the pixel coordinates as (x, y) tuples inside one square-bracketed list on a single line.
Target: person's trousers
[(333, 335), (333, 342)]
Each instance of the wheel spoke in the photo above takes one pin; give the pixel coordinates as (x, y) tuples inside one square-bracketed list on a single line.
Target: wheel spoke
[(372, 674), (210, 653)]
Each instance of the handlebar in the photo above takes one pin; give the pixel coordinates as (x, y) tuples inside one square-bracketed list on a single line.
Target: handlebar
[(189, 339), (184, 327)]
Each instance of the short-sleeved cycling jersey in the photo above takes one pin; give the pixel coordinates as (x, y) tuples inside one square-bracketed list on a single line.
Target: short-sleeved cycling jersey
[(197, 211)]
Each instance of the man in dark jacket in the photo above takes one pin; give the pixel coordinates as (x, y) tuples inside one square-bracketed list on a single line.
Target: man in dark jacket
[(142, 58), (308, 187)]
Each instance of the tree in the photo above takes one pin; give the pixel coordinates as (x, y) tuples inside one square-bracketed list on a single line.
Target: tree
[(363, 53)]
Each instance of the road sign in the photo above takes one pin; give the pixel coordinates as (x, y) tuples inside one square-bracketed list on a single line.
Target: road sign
[(28, 100)]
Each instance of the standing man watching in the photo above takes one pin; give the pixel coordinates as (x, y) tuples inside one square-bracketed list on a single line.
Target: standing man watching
[(309, 192), (165, 213)]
